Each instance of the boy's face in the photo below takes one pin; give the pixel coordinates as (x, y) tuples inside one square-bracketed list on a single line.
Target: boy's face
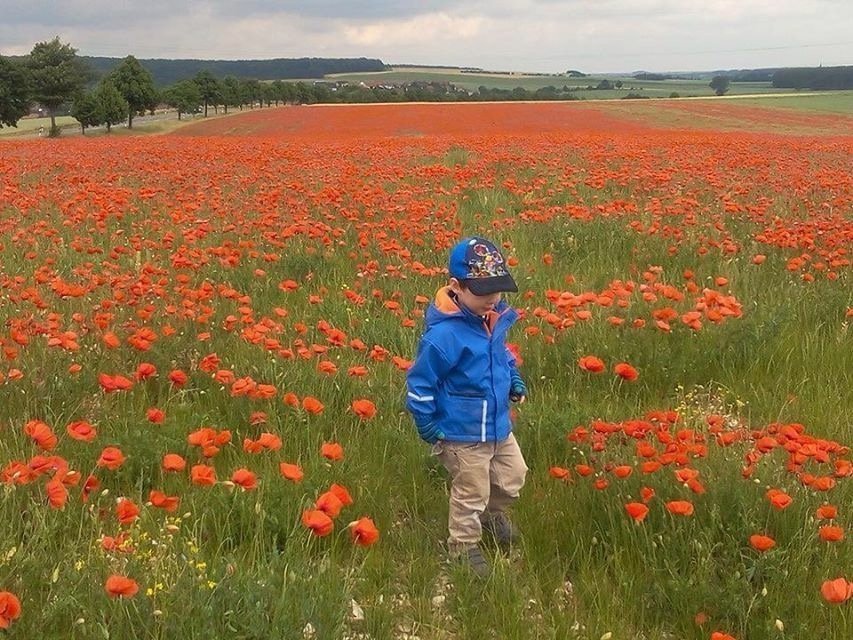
[(479, 305)]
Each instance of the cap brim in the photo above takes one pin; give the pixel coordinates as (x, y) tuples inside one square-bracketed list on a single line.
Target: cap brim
[(486, 286)]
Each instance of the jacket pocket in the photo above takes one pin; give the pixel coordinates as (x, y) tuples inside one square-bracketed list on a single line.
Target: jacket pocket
[(469, 411)]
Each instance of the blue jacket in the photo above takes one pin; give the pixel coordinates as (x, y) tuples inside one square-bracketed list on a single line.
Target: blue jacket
[(460, 379)]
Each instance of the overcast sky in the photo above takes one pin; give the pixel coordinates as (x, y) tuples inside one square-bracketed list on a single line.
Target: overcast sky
[(517, 35)]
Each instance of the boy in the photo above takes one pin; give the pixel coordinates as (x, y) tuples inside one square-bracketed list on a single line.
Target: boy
[(459, 391)]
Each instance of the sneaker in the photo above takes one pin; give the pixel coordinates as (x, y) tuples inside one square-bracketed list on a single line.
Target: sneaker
[(501, 529), (472, 557)]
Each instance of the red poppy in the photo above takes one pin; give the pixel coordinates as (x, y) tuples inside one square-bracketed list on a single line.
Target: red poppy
[(761, 543), (779, 499), (364, 409), (121, 587), (162, 501), (330, 504), (114, 383), (111, 458), (312, 405), (831, 533), (57, 494), (203, 475), (245, 479), (91, 484), (637, 510), (626, 371), (680, 507), (342, 493), (291, 471), (145, 370), (41, 434), (332, 451), (836, 591), (319, 523), (363, 532), (559, 473), (10, 609), (178, 378), (591, 364), (126, 511), (827, 512), (81, 430), (155, 415), (173, 462)]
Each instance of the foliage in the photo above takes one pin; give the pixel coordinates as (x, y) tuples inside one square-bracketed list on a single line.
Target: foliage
[(208, 88), (720, 84), (112, 106), (167, 72), (56, 75), (135, 84), (87, 110), (184, 96), (822, 78), (14, 92)]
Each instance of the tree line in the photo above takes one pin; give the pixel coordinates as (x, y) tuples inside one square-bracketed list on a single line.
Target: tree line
[(820, 78), (169, 72)]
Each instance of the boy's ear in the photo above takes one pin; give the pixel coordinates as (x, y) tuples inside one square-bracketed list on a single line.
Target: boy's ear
[(456, 285)]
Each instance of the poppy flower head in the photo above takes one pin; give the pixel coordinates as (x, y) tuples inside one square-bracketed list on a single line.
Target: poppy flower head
[(10, 609), (318, 522), (364, 409), (637, 510), (332, 451), (592, 364), (761, 543), (291, 472), (837, 591), (363, 532), (118, 586)]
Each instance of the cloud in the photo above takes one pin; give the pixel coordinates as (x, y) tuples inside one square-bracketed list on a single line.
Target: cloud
[(427, 28), (526, 35)]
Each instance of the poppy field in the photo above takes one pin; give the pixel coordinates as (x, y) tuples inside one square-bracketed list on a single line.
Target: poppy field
[(205, 337)]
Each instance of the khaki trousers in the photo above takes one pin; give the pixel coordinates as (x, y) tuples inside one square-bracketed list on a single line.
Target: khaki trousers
[(486, 477)]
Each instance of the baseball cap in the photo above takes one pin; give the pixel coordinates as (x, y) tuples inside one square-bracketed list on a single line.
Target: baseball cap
[(481, 266)]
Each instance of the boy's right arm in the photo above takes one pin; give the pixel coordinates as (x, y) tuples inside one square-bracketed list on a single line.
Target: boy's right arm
[(430, 366)]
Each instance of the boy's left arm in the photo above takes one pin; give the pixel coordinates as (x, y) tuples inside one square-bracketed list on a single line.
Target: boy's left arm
[(517, 388)]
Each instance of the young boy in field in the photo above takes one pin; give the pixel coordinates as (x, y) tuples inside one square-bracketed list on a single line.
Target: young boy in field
[(459, 391)]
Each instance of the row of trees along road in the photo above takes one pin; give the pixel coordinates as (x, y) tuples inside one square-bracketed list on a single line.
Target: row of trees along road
[(53, 76)]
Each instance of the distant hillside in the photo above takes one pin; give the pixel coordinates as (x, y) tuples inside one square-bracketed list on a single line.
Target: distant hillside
[(168, 72)]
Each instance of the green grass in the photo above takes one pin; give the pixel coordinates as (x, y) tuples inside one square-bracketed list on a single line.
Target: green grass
[(840, 102), (32, 125)]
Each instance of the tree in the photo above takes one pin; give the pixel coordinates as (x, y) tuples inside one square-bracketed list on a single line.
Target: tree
[(136, 85), (720, 84), (86, 109), (112, 105), (183, 96), (250, 90), (56, 75), (208, 87), (231, 93), (14, 93)]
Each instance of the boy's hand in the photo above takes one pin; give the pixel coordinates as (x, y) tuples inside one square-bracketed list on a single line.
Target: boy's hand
[(430, 433), (518, 390)]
